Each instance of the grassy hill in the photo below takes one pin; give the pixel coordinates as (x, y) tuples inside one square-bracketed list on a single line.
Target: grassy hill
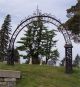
[(44, 76)]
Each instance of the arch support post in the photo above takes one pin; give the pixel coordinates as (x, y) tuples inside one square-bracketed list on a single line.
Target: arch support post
[(68, 57)]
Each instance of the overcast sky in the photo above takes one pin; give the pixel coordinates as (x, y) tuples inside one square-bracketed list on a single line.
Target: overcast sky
[(19, 9)]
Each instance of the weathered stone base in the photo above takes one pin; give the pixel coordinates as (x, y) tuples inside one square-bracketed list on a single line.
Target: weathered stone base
[(8, 82), (8, 78)]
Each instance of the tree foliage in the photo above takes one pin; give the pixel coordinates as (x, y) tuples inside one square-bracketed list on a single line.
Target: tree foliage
[(63, 61), (4, 37), (77, 61), (37, 41), (73, 23), (75, 9)]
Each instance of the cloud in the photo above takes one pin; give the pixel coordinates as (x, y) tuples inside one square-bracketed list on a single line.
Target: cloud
[(26, 7), (19, 9)]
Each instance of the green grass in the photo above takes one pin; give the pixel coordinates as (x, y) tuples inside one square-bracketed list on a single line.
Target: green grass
[(44, 76)]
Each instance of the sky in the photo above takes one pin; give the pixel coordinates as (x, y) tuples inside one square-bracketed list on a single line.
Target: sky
[(19, 9)]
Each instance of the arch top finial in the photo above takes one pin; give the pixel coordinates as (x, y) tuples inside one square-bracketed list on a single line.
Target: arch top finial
[(38, 11)]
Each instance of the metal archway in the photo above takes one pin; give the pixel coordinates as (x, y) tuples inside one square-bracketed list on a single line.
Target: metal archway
[(49, 19)]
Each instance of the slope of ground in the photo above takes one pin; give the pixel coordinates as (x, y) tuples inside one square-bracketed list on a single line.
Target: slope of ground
[(44, 76)]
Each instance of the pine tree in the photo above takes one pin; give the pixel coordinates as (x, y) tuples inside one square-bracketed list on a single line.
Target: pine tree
[(36, 41), (73, 22), (32, 40), (74, 9), (0, 46), (55, 55), (77, 61), (49, 44), (4, 37), (63, 61)]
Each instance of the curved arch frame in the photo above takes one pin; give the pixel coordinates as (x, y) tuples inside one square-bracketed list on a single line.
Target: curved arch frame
[(49, 19), (46, 18)]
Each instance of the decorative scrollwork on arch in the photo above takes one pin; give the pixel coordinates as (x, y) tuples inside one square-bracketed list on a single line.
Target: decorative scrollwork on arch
[(48, 18)]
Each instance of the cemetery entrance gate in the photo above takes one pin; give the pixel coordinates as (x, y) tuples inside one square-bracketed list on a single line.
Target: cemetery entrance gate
[(48, 19)]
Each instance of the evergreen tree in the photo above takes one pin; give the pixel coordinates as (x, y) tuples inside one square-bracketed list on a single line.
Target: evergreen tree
[(77, 61), (36, 41), (55, 56), (49, 44), (74, 10), (0, 46), (73, 22), (4, 37), (32, 40), (63, 61)]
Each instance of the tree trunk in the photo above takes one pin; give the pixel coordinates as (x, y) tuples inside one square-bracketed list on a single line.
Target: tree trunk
[(47, 59), (35, 59)]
